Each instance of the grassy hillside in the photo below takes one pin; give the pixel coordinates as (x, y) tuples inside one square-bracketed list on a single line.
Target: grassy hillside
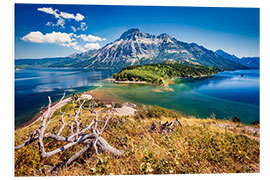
[(159, 73), (198, 146)]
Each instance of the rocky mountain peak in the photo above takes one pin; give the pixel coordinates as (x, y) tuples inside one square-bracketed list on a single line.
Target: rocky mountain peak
[(136, 47), (164, 36), (133, 34)]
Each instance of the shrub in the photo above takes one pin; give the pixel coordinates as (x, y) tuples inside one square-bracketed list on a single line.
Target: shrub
[(255, 122), (236, 119)]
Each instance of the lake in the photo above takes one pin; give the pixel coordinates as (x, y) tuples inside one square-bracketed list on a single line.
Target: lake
[(226, 94)]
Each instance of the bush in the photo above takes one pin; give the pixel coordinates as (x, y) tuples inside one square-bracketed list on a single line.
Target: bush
[(255, 122), (76, 96), (97, 102), (236, 119)]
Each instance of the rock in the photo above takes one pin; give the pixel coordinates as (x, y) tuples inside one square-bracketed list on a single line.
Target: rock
[(86, 96), (128, 104)]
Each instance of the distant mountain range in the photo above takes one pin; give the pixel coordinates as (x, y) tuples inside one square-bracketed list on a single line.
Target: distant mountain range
[(135, 47), (252, 62)]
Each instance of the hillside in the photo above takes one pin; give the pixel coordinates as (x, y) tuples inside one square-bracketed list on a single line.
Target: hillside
[(251, 62), (162, 72), (135, 47), (195, 146)]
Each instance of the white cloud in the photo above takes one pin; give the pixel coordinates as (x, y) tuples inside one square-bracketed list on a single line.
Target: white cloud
[(70, 44), (36, 37), (54, 37), (61, 16), (90, 38), (64, 39), (83, 27), (49, 10), (91, 46), (50, 24), (73, 45), (61, 22), (67, 15), (79, 17), (73, 28)]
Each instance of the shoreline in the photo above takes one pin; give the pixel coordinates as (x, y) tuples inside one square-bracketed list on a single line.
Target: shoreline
[(55, 106), (38, 115), (98, 94), (169, 81)]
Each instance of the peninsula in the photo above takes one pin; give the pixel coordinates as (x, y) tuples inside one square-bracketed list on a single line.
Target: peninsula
[(162, 73)]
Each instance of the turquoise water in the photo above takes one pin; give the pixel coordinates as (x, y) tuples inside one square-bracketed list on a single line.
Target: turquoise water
[(226, 94)]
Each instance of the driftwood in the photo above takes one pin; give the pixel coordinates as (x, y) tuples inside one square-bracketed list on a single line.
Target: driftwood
[(89, 136), (165, 127)]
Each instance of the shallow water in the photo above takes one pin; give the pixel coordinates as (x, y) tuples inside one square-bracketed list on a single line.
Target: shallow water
[(226, 94)]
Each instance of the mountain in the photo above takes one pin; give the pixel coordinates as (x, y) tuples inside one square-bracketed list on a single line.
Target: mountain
[(252, 62), (135, 47), (227, 55)]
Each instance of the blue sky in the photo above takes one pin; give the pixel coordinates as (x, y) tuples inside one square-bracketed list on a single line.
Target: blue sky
[(49, 30)]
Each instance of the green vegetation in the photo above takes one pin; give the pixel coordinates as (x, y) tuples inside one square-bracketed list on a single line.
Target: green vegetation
[(199, 146), (155, 112), (162, 72)]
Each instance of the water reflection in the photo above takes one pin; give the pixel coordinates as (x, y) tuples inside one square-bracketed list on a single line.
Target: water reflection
[(33, 85)]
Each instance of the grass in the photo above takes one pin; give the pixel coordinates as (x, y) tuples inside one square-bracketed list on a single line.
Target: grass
[(199, 146)]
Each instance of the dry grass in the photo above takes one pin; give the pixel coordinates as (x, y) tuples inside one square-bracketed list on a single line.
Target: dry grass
[(199, 146)]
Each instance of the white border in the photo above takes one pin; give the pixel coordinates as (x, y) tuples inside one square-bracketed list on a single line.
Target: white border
[(7, 80)]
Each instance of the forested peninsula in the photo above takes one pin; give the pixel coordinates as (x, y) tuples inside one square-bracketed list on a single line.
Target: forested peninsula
[(162, 73)]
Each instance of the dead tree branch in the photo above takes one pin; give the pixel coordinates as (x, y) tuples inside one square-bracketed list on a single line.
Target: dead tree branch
[(166, 127), (90, 136)]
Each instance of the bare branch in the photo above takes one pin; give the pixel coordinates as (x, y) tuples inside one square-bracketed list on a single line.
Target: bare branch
[(104, 125), (63, 124), (176, 120), (106, 147)]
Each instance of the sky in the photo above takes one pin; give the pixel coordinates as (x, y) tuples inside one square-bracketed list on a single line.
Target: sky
[(50, 30)]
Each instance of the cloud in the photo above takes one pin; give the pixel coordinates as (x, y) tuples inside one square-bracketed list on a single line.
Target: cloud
[(63, 39), (83, 27), (90, 38), (61, 16), (73, 45), (73, 28), (77, 17), (54, 37), (70, 44), (91, 46), (50, 24), (61, 22), (49, 10)]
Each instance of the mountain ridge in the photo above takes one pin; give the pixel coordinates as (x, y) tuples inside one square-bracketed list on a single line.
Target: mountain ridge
[(252, 62), (135, 47)]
